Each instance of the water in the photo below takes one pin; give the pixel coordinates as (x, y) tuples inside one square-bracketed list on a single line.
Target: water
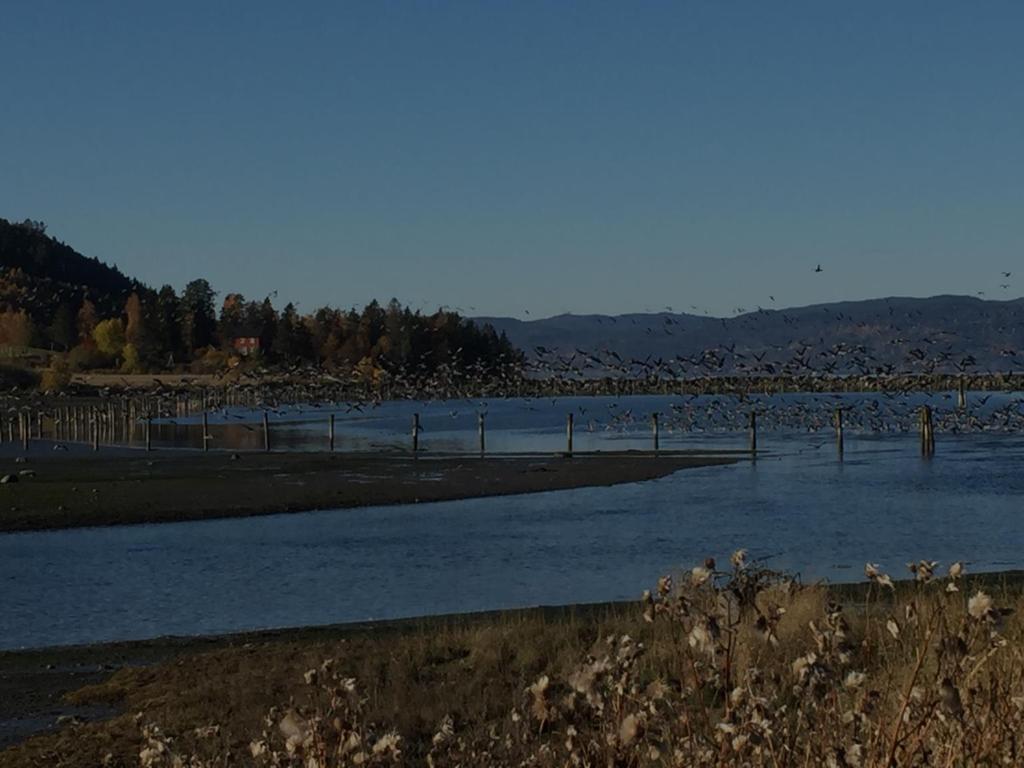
[(517, 425), (799, 506)]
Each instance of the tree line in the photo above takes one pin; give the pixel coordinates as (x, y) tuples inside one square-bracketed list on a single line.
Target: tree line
[(163, 330), (94, 317)]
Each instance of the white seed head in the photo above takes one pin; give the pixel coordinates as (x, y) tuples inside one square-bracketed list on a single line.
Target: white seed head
[(893, 628), (854, 679), (980, 605), (699, 575)]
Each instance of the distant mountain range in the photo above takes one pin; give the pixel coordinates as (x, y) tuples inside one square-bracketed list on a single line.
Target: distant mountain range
[(897, 335), (942, 334)]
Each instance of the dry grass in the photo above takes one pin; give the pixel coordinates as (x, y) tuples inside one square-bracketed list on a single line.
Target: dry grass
[(729, 667)]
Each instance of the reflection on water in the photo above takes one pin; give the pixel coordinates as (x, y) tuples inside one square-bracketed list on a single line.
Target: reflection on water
[(799, 506), (601, 423)]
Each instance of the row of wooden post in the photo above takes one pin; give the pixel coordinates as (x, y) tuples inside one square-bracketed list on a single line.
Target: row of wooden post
[(926, 423), (927, 432), (91, 425), (71, 424)]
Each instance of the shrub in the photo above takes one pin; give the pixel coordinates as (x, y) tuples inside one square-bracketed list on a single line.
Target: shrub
[(57, 377), (132, 361), (86, 357), (211, 361)]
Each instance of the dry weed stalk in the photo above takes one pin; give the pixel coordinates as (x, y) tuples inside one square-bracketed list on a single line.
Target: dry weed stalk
[(736, 667)]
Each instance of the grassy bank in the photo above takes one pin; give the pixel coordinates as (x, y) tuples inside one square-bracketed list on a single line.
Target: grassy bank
[(122, 487), (716, 668)]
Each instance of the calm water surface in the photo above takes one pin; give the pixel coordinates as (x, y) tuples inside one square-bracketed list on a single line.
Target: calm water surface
[(799, 506), (538, 424)]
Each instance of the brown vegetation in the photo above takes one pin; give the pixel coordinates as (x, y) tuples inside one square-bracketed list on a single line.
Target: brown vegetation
[(742, 667)]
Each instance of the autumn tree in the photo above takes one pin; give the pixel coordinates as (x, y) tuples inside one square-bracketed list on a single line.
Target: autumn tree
[(16, 328), (134, 329), (86, 320), (109, 337), (233, 319)]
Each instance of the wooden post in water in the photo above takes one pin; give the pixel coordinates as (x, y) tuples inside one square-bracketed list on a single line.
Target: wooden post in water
[(961, 393), (927, 432), (839, 432), (266, 432), (753, 432), (480, 430), (95, 429), (924, 430), (206, 432), (330, 431), (23, 426), (568, 434), (415, 433), (655, 429)]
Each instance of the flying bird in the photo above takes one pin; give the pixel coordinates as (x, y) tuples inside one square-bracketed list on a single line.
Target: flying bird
[(819, 269)]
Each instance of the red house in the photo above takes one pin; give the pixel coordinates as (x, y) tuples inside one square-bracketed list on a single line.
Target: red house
[(246, 345)]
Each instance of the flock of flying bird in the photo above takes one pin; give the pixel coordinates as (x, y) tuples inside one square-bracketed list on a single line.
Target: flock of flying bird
[(897, 363)]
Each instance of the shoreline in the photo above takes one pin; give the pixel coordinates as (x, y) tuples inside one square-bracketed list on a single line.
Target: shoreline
[(121, 487), (37, 682), (45, 687)]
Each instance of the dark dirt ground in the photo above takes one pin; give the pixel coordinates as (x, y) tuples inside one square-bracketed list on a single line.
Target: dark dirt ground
[(122, 487)]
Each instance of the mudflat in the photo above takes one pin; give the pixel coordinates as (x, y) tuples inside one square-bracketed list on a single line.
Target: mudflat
[(69, 490)]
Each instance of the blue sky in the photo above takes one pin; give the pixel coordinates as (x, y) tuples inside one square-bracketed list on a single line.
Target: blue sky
[(521, 157)]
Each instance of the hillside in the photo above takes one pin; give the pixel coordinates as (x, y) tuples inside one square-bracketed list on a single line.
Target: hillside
[(49, 281), (54, 299), (39, 273), (942, 333)]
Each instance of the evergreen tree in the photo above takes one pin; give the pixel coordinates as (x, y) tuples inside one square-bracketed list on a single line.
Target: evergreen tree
[(167, 325), (62, 331), (197, 314)]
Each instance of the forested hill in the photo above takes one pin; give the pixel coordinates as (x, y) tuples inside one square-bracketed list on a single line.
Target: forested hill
[(93, 317), (39, 273)]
